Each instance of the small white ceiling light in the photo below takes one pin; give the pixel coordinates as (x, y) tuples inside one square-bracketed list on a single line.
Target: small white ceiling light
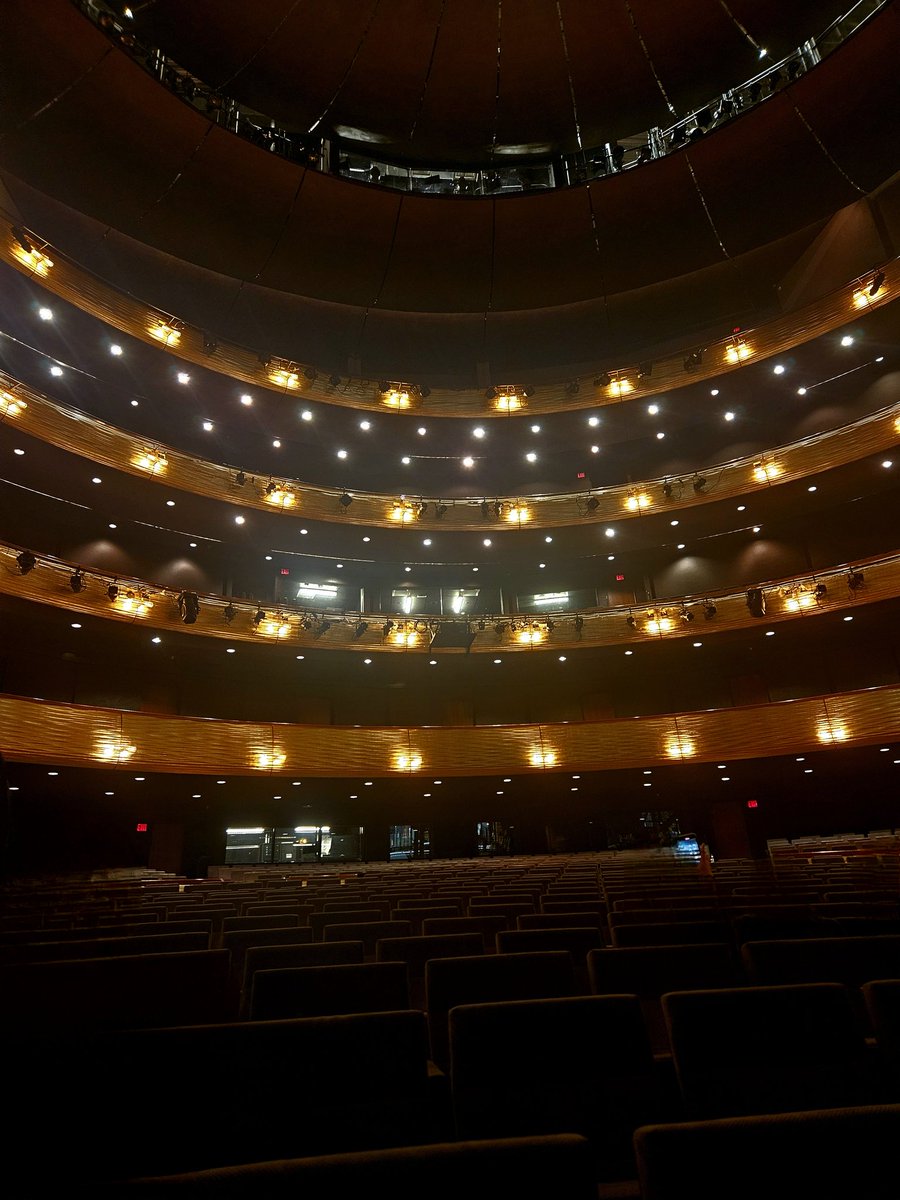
[(183, 377)]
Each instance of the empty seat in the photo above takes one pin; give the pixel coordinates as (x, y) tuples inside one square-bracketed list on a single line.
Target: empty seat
[(318, 920), (739, 1051), (367, 932), (488, 927), (327, 990), (671, 933), (882, 999), (577, 941), (472, 980), (535, 1168), (832, 1154), (582, 1065), (650, 971), (416, 952)]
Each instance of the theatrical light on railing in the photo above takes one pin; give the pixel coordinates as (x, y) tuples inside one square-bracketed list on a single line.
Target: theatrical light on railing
[(259, 616), (25, 251), (402, 512), (531, 634), (284, 374), (619, 385), (167, 332), (737, 351), (409, 762), (405, 634), (680, 747), (591, 504), (829, 733), (659, 622), (271, 759), (113, 590), (440, 511), (136, 603), (76, 582), (871, 290), (151, 459), (799, 597), (542, 758), (189, 607), (399, 396), (699, 483), (360, 629), (229, 612), (10, 405), (508, 398), (115, 751), (518, 513), (345, 500), (279, 495), (709, 610), (855, 580), (276, 627), (637, 501), (765, 471)]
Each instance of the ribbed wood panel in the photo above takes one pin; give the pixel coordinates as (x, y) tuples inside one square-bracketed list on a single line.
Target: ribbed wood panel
[(38, 731)]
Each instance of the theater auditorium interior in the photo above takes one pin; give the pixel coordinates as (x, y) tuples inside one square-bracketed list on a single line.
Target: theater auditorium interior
[(450, 463)]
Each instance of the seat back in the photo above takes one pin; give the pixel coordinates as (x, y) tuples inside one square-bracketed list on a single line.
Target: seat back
[(328, 990), (416, 952)]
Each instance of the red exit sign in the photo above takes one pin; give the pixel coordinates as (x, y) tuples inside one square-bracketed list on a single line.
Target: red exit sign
[(141, 827)]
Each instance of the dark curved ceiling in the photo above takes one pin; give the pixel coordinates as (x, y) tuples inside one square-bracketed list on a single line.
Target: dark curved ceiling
[(372, 283), (474, 82)]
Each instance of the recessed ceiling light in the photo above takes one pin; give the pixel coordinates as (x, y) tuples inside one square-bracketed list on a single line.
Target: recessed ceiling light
[(170, 504), (56, 370), (660, 436), (339, 566), (729, 416), (801, 391), (697, 645), (208, 425), (847, 340), (497, 661), (277, 443), (468, 462), (548, 539), (742, 508), (812, 488), (304, 532), (112, 526), (486, 542), (610, 532), (53, 772), (268, 558), (478, 432), (300, 657), (367, 538), (531, 456), (610, 558), (426, 541), (238, 520), (231, 650), (367, 662), (880, 358), (770, 633), (365, 425), (135, 403), (306, 415), (535, 429), (673, 522), (652, 409), (405, 460), (595, 449), (714, 392), (756, 528), (848, 618), (407, 569), (183, 377), (562, 658), (887, 464), (96, 479), (246, 399), (628, 653), (75, 625), (115, 350), (542, 565), (156, 640), (593, 421), (474, 568), (46, 314), (342, 453), (432, 662), (680, 545), (778, 369), (421, 431)]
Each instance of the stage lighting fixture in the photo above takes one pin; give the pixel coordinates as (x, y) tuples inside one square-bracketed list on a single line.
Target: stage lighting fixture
[(485, 510), (709, 610), (271, 487), (210, 345), (321, 628), (259, 616), (113, 590), (645, 370), (334, 380), (756, 602), (229, 612), (345, 500), (189, 607), (387, 627), (27, 562), (311, 374), (422, 510), (693, 360), (700, 482), (821, 590), (440, 510), (687, 615), (361, 627), (76, 583), (855, 580), (240, 479), (630, 621), (592, 504), (667, 490), (875, 285)]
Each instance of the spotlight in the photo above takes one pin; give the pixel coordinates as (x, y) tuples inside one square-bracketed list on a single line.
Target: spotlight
[(528, 392), (334, 380), (387, 627), (855, 580), (259, 616), (700, 482), (424, 391), (485, 510), (756, 602), (709, 610), (645, 370), (76, 583), (490, 394), (572, 387), (240, 479), (579, 623), (27, 562), (307, 623), (550, 625), (345, 500), (693, 360), (592, 504), (323, 627), (210, 345), (875, 285), (630, 621), (271, 487), (821, 590), (189, 607), (499, 627), (229, 613), (113, 590), (667, 490), (423, 509), (482, 625), (439, 511), (22, 238), (686, 615), (361, 627), (311, 374)]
